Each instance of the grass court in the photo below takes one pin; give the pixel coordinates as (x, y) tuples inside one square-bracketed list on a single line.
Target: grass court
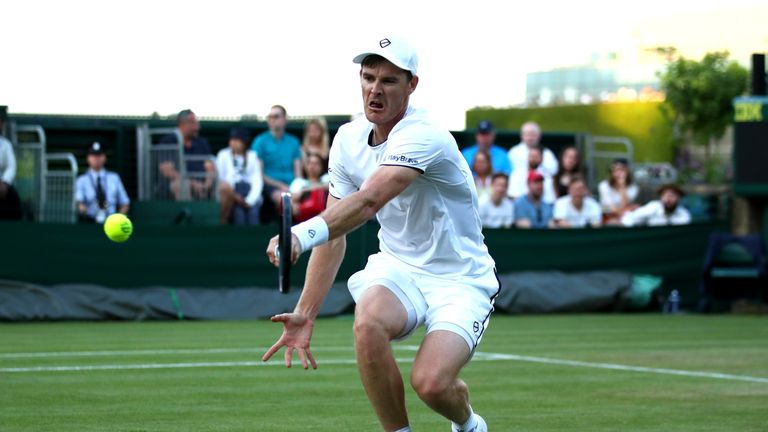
[(610, 372)]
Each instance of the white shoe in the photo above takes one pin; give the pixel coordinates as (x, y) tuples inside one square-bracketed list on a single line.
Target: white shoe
[(480, 427)]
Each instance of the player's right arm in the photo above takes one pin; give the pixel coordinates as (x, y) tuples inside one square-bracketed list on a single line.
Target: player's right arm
[(324, 263)]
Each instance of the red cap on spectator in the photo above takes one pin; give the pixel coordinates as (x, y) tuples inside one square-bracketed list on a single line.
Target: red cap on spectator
[(535, 176)]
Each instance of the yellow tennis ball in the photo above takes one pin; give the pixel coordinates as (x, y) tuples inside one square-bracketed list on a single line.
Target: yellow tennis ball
[(118, 227)]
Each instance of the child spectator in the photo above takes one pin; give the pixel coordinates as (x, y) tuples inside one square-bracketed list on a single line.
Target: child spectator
[(309, 194)]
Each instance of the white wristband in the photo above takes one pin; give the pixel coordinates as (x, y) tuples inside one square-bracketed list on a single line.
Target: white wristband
[(311, 233)]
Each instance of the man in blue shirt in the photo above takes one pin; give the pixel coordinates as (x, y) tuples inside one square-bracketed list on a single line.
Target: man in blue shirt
[(530, 210), (484, 140), (99, 192), (280, 156)]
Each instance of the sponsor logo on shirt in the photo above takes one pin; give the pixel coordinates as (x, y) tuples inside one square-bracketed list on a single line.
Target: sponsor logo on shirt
[(402, 159)]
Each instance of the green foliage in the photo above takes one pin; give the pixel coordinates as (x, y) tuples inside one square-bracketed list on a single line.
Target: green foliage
[(699, 94), (641, 122)]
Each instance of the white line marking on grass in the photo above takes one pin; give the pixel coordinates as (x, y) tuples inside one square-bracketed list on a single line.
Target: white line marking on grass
[(128, 353), (560, 362), (479, 356), (170, 352)]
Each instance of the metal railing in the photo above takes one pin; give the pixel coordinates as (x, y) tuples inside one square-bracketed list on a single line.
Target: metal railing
[(601, 151), (29, 143), (164, 172), (58, 203)]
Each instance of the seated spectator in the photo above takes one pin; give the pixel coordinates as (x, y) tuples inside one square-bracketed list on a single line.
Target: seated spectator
[(99, 193), (201, 174), (496, 209), (577, 209), (10, 204), (617, 193), (482, 172), (570, 165), (280, 156), (240, 181), (315, 138), (485, 136), (518, 181), (310, 194), (530, 134), (664, 211), (530, 210)]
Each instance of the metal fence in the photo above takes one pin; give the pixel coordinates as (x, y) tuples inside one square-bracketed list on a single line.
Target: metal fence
[(58, 204), (600, 153), (164, 172), (29, 148)]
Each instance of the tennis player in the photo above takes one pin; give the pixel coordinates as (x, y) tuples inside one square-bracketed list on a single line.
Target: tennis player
[(433, 269)]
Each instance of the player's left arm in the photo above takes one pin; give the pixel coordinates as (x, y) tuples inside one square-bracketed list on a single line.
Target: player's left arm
[(387, 182)]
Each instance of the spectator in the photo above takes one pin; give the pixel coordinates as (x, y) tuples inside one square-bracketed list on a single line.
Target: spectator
[(10, 204), (618, 193), (577, 209), (485, 136), (530, 210), (99, 193), (664, 211), (280, 156), (518, 182), (570, 165), (315, 138), (496, 209), (482, 172), (240, 181), (201, 173), (309, 194), (530, 134)]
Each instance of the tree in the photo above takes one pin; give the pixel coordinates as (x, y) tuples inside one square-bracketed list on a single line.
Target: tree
[(699, 95)]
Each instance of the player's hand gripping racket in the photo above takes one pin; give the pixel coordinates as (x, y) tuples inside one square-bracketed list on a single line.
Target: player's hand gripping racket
[(284, 248)]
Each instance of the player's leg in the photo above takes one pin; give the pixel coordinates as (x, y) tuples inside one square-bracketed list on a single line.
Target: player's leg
[(435, 374), (380, 317), (457, 317)]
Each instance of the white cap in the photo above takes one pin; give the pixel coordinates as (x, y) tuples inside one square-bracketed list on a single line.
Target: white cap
[(399, 52)]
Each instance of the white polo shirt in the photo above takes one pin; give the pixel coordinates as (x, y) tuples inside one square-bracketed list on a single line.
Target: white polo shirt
[(653, 214), (433, 226), (590, 213), (496, 216)]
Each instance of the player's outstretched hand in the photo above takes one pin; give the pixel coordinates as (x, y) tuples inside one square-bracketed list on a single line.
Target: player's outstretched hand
[(297, 331)]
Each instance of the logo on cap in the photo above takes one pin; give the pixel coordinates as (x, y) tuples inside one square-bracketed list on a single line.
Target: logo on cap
[(385, 43)]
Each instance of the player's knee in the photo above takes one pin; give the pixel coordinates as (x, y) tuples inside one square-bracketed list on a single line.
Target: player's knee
[(367, 328), (429, 383)]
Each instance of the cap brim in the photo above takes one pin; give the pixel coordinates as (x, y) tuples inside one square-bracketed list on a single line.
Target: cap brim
[(361, 57)]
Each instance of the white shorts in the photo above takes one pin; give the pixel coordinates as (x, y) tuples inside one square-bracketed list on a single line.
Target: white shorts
[(462, 306)]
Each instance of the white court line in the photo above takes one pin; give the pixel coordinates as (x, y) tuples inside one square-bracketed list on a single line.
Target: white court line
[(170, 352), (620, 367), (479, 356)]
